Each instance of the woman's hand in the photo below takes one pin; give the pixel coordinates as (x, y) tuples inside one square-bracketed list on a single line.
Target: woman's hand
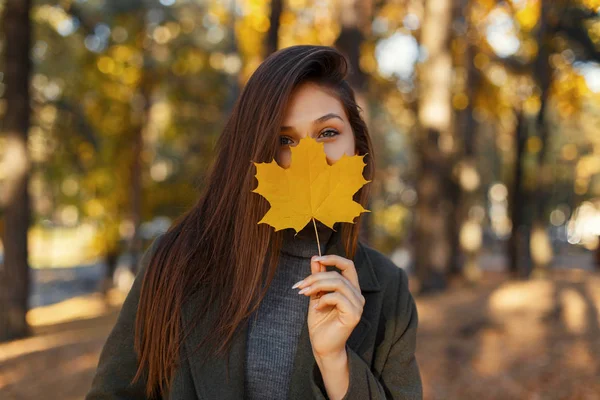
[(335, 306)]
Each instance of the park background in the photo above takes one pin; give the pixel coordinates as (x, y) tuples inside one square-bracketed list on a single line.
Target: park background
[(485, 117)]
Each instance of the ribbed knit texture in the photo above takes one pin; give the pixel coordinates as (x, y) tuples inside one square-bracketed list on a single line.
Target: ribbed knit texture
[(275, 328)]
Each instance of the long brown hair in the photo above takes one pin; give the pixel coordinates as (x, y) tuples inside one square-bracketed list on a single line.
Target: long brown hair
[(218, 245)]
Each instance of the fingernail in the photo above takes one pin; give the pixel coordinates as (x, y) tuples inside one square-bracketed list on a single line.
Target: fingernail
[(316, 305), (297, 284), (304, 290), (318, 258)]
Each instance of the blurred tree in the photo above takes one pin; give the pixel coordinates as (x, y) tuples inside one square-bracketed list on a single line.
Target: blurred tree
[(140, 119), (518, 243), (579, 23), (542, 24), (128, 98), (435, 146), (234, 79), (541, 250), (153, 89), (14, 271), (465, 226), (272, 37), (355, 17), (140, 87)]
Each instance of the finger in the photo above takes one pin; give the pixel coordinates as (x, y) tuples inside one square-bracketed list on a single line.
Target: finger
[(328, 281), (309, 280), (343, 305), (339, 284), (343, 264)]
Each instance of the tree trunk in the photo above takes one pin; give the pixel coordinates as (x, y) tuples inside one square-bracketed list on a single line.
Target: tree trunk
[(14, 272), (272, 38), (110, 258), (135, 245), (355, 17), (435, 145), (466, 235), (518, 244), (542, 251), (140, 117), (232, 48)]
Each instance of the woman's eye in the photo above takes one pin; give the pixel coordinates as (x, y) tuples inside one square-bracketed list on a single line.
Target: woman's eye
[(284, 140), (329, 133)]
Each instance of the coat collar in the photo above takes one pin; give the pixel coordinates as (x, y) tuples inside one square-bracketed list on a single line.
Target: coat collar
[(364, 268), (223, 377)]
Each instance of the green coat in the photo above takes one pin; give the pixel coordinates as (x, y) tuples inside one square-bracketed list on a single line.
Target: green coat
[(381, 349)]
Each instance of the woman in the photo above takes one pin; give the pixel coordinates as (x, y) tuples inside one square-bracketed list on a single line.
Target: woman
[(212, 313)]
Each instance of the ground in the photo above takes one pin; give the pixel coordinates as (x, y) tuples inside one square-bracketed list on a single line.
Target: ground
[(537, 339), (530, 340)]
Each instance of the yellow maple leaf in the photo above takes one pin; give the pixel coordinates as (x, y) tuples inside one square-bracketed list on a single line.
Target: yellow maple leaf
[(310, 188)]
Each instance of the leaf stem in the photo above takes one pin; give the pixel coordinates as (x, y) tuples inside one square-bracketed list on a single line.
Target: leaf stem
[(317, 234)]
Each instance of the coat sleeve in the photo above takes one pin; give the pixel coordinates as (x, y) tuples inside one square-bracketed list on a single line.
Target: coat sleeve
[(118, 359), (400, 377)]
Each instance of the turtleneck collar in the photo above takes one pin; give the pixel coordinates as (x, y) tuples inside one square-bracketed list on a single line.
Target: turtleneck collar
[(304, 244)]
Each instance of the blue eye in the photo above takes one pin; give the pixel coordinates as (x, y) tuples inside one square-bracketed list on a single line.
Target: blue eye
[(329, 133), (284, 140)]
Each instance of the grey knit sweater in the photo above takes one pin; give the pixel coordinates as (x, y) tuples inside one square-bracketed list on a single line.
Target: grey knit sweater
[(274, 330)]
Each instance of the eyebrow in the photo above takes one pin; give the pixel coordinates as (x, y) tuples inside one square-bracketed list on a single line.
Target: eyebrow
[(317, 121)]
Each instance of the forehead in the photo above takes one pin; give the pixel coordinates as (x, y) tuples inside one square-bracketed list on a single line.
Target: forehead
[(309, 102)]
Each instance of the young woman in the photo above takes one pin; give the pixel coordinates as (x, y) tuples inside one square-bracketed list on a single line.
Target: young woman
[(226, 308)]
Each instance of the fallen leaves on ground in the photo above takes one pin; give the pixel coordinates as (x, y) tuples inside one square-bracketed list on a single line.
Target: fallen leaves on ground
[(501, 340), (525, 340)]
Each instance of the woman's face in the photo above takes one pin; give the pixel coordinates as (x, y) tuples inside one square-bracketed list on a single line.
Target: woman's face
[(312, 111)]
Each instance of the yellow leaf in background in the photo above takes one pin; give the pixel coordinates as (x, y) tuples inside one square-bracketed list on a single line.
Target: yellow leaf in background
[(529, 15), (592, 4), (310, 188)]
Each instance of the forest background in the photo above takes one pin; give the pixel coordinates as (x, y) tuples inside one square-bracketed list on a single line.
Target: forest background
[(485, 118)]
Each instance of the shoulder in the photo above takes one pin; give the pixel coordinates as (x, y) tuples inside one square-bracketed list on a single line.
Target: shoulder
[(389, 275), (149, 253), (397, 303)]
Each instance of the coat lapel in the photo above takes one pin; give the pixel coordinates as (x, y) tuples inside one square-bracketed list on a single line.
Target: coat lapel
[(214, 379)]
